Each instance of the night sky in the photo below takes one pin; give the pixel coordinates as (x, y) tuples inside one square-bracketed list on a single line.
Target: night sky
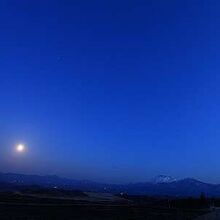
[(111, 91)]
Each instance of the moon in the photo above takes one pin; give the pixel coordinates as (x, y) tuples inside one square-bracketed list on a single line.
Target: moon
[(20, 148)]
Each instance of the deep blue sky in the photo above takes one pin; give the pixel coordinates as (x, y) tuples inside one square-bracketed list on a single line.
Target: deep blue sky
[(113, 91)]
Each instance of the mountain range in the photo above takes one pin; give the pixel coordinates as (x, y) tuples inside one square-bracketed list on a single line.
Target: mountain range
[(160, 186)]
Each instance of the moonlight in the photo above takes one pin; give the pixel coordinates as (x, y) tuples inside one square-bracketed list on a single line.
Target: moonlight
[(20, 148)]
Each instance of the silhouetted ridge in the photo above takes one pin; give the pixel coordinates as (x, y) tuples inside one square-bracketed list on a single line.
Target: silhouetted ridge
[(166, 186)]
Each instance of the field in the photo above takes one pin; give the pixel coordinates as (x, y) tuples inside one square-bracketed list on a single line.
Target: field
[(16, 206)]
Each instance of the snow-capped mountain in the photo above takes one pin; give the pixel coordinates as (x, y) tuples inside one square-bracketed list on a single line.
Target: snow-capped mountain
[(164, 179), (161, 186)]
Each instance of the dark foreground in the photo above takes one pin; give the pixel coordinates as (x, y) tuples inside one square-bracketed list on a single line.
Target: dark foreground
[(21, 207)]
